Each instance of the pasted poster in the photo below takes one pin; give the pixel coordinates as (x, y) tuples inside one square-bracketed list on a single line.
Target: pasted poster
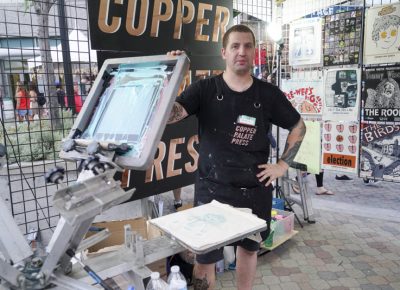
[(310, 149), (381, 96), (342, 94), (305, 42), (305, 95), (380, 152), (381, 37), (342, 38), (340, 143)]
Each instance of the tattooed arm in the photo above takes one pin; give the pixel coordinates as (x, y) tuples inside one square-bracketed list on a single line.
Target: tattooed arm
[(178, 113), (293, 142), (271, 172)]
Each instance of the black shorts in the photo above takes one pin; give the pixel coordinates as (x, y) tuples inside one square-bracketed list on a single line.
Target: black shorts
[(258, 199)]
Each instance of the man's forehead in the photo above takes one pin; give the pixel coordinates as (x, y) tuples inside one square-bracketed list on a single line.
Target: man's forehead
[(236, 37)]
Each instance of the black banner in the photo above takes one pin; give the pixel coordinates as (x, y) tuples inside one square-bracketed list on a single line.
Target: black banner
[(157, 26), (174, 165)]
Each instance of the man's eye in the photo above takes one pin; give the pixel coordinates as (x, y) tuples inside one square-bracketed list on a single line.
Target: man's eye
[(393, 32), (384, 34)]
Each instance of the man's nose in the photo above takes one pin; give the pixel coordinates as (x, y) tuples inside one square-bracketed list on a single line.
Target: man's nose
[(242, 50)]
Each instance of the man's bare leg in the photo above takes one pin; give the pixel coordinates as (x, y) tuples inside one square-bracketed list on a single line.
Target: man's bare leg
[(246, 264), (204, 276)]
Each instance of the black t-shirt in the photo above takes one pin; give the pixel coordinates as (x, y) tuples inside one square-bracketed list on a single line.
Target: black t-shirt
[(233, 126), (278, 110)]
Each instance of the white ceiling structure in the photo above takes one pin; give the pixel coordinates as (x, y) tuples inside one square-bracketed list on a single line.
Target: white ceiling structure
[(79, 51), (295, 9)]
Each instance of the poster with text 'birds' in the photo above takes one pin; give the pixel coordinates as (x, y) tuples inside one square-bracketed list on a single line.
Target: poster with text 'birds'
[(380, 152), (381, 36), (340, 143)]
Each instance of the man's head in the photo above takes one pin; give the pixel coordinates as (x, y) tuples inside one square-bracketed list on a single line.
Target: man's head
[(237, 28), (238, 49)]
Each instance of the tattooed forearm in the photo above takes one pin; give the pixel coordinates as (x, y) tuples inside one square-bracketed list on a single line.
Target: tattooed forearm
[(293, 142), (178, 113)]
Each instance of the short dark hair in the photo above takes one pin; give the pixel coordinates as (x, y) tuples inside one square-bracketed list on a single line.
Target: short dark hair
[(237, 28)]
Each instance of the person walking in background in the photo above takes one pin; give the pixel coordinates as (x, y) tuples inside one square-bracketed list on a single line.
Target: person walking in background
[(60, 96), (23, 103), (177, 198), (33, 95), (319, 178), (77, 98)]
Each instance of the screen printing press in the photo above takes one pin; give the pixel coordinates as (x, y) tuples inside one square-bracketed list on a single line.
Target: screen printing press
[(119, 127)]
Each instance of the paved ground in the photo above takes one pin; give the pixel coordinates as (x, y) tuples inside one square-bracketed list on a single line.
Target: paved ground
[(355, 243)]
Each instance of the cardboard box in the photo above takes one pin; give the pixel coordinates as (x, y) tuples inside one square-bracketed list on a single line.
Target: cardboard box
[(116, 229)]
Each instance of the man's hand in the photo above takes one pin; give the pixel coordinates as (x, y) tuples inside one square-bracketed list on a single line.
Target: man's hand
[(272, 172), (175, 52)]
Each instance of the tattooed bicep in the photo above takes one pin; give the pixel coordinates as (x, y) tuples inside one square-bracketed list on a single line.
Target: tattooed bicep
[(178, 113)]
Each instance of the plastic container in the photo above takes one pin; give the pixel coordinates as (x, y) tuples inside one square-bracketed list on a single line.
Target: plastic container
[(176, 281), (278, 203), (220, 267), (280, 228), (156, 283)]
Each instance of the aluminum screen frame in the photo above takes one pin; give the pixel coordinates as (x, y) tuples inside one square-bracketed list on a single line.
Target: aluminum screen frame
[(159, 115)]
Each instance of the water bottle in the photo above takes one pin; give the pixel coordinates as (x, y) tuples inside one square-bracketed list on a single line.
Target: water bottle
[(176, 281), (156, 283)]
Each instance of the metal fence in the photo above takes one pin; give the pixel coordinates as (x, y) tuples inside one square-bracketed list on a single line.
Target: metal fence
[(46, 70)]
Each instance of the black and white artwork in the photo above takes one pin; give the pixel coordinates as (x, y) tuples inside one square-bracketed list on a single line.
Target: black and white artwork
[(342, 38), (381, 37), (342, 94), (380, 152), (305, 42), (381, 94)]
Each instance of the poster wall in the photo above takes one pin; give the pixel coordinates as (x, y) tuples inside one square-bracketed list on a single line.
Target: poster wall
[(380, 152), (342, 38), (304, 94), (381, 37), (342, 94), (340, 143), (305, 42), (381, 96)]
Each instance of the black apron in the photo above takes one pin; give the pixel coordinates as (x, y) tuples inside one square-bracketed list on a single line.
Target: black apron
[(232, 145)]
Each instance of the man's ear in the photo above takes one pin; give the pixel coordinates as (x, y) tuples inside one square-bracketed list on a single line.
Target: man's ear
[(223, 50)]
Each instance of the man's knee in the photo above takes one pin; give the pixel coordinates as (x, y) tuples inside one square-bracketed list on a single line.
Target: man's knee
[(204, 274), (245, 252)]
